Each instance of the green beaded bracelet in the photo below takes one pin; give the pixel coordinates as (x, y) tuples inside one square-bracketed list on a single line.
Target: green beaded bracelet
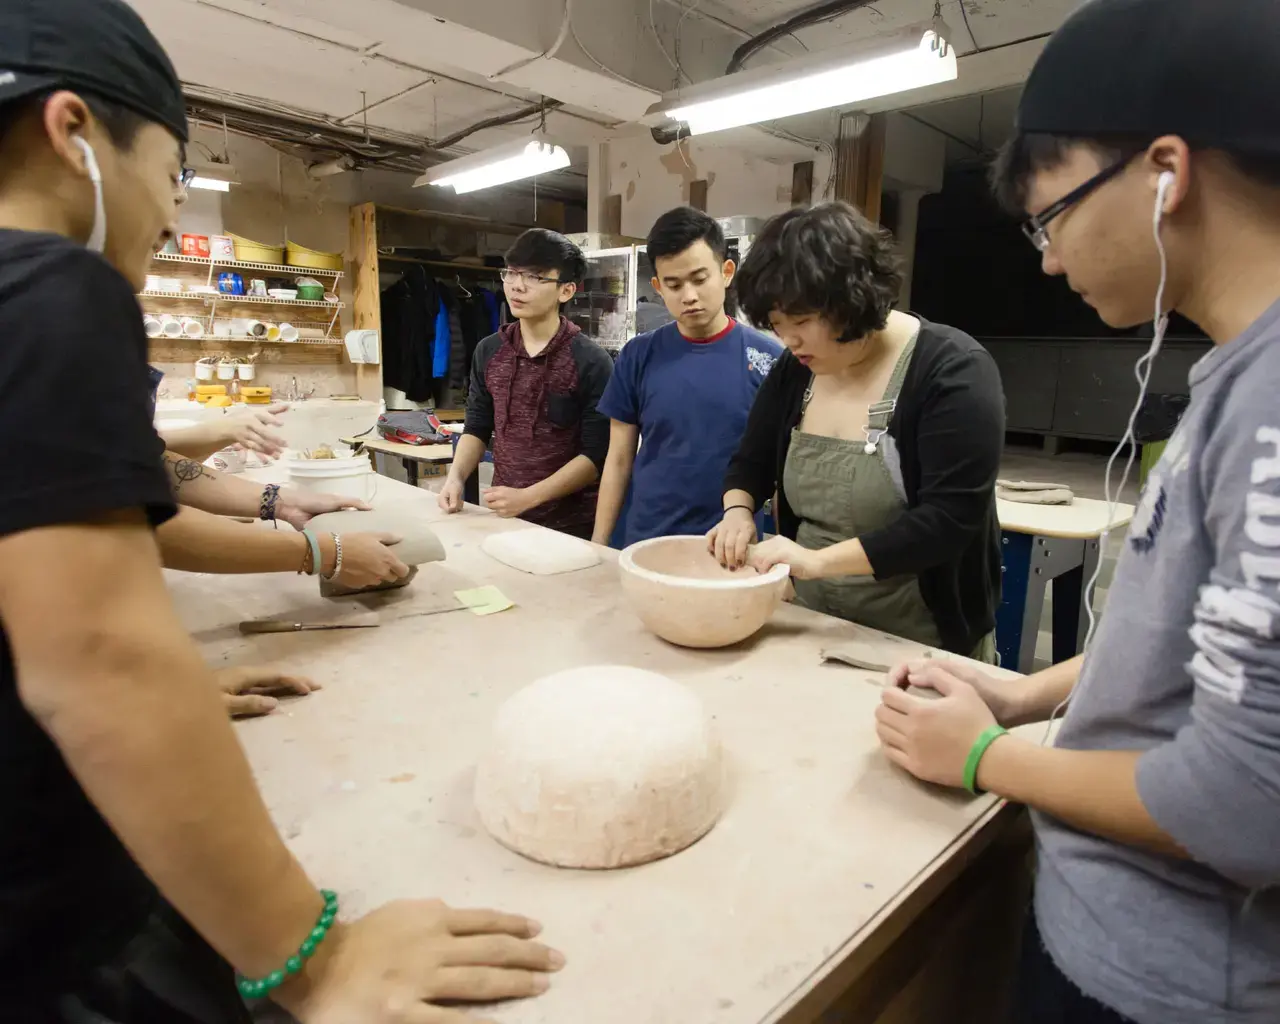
[(256, 988)]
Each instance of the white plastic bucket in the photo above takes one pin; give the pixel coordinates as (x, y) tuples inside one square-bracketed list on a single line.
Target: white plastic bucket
[(351, 477)]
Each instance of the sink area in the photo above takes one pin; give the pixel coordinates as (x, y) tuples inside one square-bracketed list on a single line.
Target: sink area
[(307, 424)]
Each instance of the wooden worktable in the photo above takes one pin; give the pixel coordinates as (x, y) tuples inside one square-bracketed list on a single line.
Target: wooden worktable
[(825, 856)]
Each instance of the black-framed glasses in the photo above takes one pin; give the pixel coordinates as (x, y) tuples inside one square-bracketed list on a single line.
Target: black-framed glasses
[(525, 277), (1037, 228)]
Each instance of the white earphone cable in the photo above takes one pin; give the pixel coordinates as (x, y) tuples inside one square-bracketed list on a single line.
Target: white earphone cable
[(1142, 373)]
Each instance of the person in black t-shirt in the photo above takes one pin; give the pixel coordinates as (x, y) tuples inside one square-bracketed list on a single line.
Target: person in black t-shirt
[(139, 868)]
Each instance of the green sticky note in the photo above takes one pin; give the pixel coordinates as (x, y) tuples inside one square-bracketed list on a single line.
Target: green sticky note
[(484, 600)]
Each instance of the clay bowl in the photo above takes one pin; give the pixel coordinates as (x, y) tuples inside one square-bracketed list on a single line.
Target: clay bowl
[(685, 596)]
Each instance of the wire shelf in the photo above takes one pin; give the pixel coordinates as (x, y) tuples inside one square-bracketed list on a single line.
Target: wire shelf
[(206, 261), (250, 300)]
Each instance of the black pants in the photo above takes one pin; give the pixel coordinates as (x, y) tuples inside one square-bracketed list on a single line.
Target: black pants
[(1047, 996), (167, 975)]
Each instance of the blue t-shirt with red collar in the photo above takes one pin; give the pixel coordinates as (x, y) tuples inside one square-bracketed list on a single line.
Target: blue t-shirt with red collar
[(690, 400)]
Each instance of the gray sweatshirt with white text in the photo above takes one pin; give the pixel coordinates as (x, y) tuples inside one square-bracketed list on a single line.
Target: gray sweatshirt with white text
[(1186, 667)]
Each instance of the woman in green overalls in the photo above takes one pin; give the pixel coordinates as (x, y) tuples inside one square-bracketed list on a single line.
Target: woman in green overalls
[(880, 436)]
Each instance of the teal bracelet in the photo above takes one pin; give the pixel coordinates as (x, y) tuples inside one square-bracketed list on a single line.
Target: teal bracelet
[(256, 988), (316, 566), (975, 756)]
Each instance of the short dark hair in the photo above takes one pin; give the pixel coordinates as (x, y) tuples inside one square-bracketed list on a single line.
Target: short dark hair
[(828, 260), (678, 229), (1029, 152), (543, 250), (121, 123)]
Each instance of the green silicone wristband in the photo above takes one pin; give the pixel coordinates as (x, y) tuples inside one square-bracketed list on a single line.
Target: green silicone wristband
[(975, 756), (316, 566)]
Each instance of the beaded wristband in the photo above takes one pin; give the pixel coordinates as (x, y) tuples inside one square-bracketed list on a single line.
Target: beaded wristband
[(976, 752), (267, 509), (256, 988)]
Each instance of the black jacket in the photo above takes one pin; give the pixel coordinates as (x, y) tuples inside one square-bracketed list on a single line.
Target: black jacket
[(949, 431)]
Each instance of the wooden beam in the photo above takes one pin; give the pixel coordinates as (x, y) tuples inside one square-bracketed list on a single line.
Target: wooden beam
[(802, 183), (860, 162), (366, 292), (550, 215), (698, 194), (611, 217)]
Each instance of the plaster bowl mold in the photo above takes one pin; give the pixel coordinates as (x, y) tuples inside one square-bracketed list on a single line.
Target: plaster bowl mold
[(601, 767), (681, 593)]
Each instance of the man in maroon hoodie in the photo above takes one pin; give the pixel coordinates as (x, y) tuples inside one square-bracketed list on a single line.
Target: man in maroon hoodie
[(534, 389)]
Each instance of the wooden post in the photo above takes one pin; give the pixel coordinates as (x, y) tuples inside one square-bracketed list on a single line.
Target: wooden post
[(802, 183), (550, 215), (611, 220), (698, 194), (860, 162), (366, 294)]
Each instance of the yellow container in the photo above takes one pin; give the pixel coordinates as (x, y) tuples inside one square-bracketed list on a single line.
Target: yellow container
[(311, 259), (249, 251), (219, 401), (256, 395), (211, 389)]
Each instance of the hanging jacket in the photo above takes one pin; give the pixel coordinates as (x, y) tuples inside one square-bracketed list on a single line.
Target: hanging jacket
[(539, 412), (409, 311)]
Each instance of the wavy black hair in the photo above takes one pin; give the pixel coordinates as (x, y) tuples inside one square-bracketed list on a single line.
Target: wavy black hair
[(829, 260), (542, 250)]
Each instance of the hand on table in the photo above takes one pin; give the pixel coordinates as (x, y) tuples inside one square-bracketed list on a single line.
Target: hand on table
[(396, 964), (247, 692), (367, 560), (508, 502), (450, 497), (931, 738), (298, 507), (253, 428), (1000, 695), (730, 538)]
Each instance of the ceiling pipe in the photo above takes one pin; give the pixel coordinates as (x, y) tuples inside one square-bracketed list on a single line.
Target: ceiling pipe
[(813, 16)]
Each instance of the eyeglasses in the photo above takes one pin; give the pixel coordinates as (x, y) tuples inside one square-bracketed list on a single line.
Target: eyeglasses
[(1037, 228), (525, 278)]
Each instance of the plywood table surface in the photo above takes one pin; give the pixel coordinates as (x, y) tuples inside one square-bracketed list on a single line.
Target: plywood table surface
[(1083, 519), (417, 452), (370, 781)]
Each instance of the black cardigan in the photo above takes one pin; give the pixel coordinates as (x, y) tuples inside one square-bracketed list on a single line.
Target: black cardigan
[(949, 431)]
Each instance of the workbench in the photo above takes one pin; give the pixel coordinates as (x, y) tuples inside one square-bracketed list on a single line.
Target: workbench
[(834, 888), (1043, 544), (411, 456)]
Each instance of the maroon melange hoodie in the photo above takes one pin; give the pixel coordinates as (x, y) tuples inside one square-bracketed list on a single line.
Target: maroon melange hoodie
[(539, 413)]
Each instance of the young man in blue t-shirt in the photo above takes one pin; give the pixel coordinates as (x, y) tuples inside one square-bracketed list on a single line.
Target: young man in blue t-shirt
[(685, 389)]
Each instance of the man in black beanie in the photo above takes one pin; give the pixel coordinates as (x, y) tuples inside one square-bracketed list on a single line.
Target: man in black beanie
[(1147, 165), (139, 870)]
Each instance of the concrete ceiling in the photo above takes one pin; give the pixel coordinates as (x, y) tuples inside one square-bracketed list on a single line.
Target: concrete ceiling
[(974, 126), (429, 68)]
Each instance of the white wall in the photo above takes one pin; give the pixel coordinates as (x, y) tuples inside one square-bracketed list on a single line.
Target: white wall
[(652, 179)]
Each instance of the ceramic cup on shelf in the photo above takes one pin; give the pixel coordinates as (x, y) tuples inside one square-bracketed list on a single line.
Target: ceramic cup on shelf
[(192, 328), (222, 329), (287, 332), (240, 328), (153, 283), (152, 326), (258, 329), (171, 327)]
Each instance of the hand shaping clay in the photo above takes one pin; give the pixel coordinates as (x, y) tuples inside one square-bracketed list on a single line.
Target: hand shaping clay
[(418, 543), (540, 552), (601, 767)]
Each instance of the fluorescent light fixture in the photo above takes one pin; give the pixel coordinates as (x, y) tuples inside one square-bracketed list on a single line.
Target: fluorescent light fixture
[(214, 176), (210, 184), (907, 60), (497, 166)]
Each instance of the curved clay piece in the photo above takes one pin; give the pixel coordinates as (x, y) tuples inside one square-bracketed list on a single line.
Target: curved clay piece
[(601, 767), (540, 552), (685, 596), (418, 543)]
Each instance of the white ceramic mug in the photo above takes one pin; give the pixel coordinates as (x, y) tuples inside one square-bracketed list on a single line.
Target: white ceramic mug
[(240, 328), (226, 371), (152, 326), (171, 327), (288, 332), (247, 371), (222, 329), (204, 371), (257, 329), (192, 328)]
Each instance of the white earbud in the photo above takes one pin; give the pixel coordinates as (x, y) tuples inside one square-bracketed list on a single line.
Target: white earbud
[(1166, 182), (98, 234)]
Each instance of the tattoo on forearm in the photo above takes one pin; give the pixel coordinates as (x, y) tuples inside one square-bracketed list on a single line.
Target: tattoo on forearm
[(183, 471)]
